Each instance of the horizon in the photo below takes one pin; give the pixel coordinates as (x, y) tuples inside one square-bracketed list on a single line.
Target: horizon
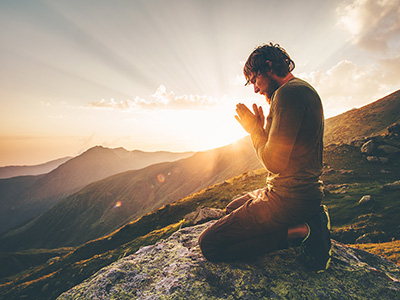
[(166, 75)]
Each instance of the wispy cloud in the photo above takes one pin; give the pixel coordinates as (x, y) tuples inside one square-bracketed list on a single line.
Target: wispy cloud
[(375, 32), (375, 25), (161, 99), (347, 85)]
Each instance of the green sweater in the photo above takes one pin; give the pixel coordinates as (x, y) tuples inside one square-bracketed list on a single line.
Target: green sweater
[(292, 145)]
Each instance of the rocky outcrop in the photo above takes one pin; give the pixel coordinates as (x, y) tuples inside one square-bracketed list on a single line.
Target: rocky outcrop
[(393, 186), (175, 269), (377, 151)]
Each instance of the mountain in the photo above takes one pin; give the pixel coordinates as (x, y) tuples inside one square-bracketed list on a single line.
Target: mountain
[(42, 192), (348, 175), (14, 171), (369, 120), (101, 208), (106, 205), (175, 269), (63, 272)]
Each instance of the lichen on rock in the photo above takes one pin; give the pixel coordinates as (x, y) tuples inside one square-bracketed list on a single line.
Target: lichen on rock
[(174, 268)]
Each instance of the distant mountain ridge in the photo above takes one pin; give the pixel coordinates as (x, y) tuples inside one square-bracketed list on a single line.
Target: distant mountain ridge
[(93, 210), (106, 205), (39, 193), (371, 119), (14, 171)]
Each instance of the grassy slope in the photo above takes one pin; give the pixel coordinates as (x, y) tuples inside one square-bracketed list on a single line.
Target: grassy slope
[(51, 279), (368, 120)]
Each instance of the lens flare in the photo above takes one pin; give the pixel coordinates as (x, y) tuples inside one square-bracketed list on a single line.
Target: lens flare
[(161, 178), (118, 204)]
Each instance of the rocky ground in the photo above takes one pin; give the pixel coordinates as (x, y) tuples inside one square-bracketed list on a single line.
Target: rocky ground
[(175, 269)]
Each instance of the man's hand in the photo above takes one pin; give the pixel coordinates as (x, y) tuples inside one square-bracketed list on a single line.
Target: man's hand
[(249, 121)]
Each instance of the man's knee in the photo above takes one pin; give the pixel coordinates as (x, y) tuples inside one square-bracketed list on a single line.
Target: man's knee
[(208, 246)]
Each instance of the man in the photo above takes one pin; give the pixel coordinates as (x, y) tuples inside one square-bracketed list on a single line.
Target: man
[(289, 144)]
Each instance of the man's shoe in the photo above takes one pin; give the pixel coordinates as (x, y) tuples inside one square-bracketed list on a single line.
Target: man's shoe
[(317, 245)]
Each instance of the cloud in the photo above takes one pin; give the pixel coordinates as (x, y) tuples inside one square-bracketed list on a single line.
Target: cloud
[(161, 99), (375, 29), (119, 105), (347, 85), (374, 25)]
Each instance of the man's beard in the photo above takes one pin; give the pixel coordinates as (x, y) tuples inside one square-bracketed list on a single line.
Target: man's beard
[(273, 85)]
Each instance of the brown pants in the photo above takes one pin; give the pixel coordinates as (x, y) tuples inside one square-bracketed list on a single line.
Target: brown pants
[(255, 224)]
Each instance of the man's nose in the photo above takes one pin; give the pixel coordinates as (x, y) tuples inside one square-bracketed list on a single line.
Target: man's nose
[(256, 89)]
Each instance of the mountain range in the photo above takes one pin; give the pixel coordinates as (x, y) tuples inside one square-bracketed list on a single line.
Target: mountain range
[(344, 188), (23, 198), (348, 175), (14, 171), (106, 205)]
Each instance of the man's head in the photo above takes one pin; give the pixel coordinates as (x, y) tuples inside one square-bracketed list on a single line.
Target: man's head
[(267, 68), (268, 58)]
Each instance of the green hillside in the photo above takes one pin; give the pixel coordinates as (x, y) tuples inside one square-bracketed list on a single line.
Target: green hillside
[(348, 176)]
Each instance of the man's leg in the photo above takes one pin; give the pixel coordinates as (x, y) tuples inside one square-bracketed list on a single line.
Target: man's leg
[(240, 234), (239, 201)]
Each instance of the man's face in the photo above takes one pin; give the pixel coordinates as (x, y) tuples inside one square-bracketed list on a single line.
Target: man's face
[(264, 85)]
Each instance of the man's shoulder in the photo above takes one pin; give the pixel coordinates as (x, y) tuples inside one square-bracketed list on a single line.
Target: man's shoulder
[(296, 85), (294, 91)]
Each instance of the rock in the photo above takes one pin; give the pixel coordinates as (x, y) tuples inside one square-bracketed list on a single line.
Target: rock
[(386, 172), (175, 269), (357, 142), (368, 147), (251, 174), (394, 186), (330, 171), (387, 149), (346, 172), (373, 159), (394, 128), (204, 214), (364, 239), (383, 160), (365, 199)]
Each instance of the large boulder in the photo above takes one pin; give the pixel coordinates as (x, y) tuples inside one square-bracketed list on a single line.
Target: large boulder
[(175, 269), (368, 147)]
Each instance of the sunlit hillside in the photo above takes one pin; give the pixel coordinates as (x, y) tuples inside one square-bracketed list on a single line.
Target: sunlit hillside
[(372, 119)]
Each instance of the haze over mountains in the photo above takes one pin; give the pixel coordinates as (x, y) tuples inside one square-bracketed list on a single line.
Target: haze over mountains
[(22, 198), (13, 171)]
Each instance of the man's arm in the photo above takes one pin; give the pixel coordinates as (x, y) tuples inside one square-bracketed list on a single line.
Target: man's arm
[(275, 150)]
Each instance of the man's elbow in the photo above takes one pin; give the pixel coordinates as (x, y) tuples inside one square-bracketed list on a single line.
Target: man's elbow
[(275, 165)]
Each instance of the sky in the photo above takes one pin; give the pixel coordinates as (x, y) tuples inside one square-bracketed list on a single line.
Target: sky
[(167, 74)]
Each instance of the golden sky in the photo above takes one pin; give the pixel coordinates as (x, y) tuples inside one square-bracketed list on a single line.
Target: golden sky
[(167, 74)]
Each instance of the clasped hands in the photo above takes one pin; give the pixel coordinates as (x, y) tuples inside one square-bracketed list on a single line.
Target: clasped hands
[(251, 122)]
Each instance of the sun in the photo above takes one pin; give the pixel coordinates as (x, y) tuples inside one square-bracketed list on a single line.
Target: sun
[(211, 128)]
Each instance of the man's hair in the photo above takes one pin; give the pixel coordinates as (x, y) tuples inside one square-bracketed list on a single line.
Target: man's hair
[(268, 57)]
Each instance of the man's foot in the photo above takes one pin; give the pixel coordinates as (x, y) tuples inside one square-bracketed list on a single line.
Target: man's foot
[(317, 245)]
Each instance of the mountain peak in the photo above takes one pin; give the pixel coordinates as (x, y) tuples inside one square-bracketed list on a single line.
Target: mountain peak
[(174, 268)]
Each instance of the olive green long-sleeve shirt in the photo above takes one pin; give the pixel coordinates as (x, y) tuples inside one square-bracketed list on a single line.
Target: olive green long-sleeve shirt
[(291, 147)]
